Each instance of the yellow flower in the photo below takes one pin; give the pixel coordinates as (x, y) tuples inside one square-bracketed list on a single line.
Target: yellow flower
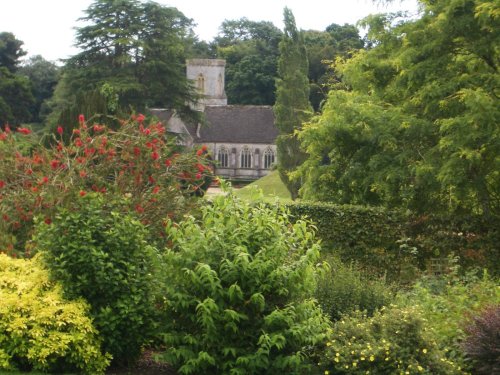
[(420, 368), (372, 358), (328, 344), (424, 350), (327, 372)]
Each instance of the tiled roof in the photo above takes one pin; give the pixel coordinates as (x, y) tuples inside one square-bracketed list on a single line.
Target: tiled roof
[(228, 124), (237, 124)]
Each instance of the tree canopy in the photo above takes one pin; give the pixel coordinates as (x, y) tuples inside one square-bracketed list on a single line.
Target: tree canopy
[(416, 123), (251, 53), (15, 90), (132, 52)]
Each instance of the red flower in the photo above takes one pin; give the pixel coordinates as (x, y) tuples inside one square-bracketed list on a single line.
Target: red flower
[(89, 151), (29, 171), (139, 208), (168, 162), (137, 151), (55, 164), (98, 128), (76, 131), (140, 118), (3, 136), (200, 167), (156, 189), (24, 131), (83, 174), (199, 152), (2, 184), (81, 119), (37, 159), (60, 130), (198, 176), (204, 148), (147, 131), (82, 193), (155, 155), (48, 221), (78, 142)]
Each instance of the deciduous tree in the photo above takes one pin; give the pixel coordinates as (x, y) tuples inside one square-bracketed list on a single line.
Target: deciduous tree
[(417, 124)]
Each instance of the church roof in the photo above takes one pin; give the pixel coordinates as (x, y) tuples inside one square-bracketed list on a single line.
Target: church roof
[(226, 124), (236, 124)]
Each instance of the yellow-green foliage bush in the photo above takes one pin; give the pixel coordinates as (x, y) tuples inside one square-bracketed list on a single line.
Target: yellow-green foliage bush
[(40, 330)]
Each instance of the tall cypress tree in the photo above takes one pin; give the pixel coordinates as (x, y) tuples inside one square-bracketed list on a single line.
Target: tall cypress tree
[(292, 106)]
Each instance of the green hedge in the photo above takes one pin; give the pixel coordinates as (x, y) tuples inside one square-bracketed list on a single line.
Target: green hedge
[(399, 243)]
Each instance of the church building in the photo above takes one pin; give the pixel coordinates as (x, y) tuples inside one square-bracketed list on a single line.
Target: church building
[(241, 138)]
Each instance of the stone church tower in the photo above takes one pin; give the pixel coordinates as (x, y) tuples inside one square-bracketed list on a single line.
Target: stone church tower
[(208, 77)]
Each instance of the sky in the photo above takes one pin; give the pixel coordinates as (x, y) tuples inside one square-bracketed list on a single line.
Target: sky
[(47, 27)]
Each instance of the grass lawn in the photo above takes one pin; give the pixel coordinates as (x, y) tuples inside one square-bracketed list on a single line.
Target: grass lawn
[(270, 185)]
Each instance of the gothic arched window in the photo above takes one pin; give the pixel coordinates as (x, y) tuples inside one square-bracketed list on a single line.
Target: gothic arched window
[(223, 157), (269, 158), (246, 158)]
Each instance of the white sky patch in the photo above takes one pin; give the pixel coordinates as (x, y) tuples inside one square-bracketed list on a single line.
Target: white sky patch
[(47, 27)]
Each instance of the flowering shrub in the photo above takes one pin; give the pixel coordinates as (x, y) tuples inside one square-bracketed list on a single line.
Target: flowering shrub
[(137, 161), (41, 330), (394, 341), (238, 286), (101, 255)]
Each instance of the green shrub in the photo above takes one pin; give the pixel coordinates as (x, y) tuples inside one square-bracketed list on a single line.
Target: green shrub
[(446, 303), (240, 279), (393, 341), (482, 343), (38, 328), (343, 289), (101, 255)]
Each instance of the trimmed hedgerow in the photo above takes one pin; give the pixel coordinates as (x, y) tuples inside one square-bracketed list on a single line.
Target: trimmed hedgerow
[(39, 329), (398, 243)]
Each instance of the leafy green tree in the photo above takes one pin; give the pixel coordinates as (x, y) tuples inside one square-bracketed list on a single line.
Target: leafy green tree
[(418, 123), (136, 51), (43, 76), (15, 91), (323, 47), (10, 51), (292, 106), (251, 52)]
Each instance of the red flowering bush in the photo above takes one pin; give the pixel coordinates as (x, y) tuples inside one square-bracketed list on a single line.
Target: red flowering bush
[(138, 161)]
